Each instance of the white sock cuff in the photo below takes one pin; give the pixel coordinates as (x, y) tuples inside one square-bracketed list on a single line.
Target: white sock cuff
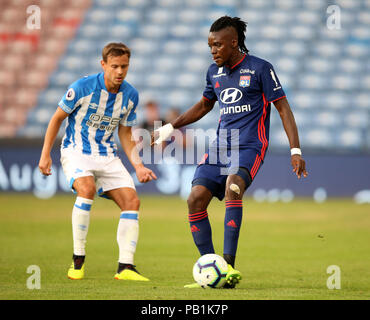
[(130, 214), (127, 257), (84, 200), (83, 204)]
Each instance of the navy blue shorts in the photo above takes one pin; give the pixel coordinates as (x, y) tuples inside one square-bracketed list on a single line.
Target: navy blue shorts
[(214, 176)]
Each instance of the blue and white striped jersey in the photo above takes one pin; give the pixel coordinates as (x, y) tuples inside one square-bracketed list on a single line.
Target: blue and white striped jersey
[(94, 114)]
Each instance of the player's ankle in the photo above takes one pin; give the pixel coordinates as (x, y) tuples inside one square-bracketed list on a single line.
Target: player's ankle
[(78, 261), (230, 259), (123, 266)]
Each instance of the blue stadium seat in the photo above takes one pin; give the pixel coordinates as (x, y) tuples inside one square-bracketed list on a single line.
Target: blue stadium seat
[(160, 16), (64, 79), (122, 31), (99, 15), (362, 101), (73, 63), (42, 115), (32, 130), (152, 31), (144, 46), (92, 31), (350, 139), (358, 120), (287, 65), (129, 15), (317, 5), (328, 119), (197, 63), (301, 32), (294, 48), (328, 49), (357, 50), (337, 100), (190, 16), (174, 47), (313, 81), (344, 81), (318, 65), (318, 138), (305, 99), (139, 63), (303, 118), (51, 96), (278, 138)]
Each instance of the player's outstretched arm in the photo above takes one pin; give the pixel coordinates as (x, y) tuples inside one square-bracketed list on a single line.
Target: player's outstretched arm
[(196, 112), (50, 135), (129, 147), (290, 127)]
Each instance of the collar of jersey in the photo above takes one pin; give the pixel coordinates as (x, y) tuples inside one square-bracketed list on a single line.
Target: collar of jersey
[(236, 64)]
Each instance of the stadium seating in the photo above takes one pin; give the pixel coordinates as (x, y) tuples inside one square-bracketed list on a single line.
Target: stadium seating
[(324, 72), (29, 56)]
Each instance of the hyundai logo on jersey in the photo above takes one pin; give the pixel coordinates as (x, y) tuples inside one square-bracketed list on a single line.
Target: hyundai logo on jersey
[(230, 95)]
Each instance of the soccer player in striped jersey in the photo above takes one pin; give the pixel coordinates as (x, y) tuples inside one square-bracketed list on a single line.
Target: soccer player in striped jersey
[(244, 86), (94, 107)]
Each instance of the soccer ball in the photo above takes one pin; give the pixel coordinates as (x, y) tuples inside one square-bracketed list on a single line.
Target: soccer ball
[(210, 271)]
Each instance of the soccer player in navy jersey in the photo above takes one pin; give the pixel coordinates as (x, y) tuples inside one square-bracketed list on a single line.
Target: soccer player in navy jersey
[(244, 86), (95, 106)]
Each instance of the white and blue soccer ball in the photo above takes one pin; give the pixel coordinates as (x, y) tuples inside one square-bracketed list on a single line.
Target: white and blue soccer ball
[(210, 271)]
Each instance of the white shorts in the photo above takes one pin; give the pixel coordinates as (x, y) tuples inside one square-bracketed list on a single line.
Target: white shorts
[(109, 172)]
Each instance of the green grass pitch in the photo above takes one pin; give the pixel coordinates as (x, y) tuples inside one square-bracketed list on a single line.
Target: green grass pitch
[(284, 250)]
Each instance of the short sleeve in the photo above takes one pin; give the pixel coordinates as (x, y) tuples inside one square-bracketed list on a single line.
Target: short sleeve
[(209, 92), (130, 119), (71, 98), (271, 86)]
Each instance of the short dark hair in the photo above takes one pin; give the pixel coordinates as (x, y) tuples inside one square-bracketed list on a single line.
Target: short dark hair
[(239, 25), (115, 49)]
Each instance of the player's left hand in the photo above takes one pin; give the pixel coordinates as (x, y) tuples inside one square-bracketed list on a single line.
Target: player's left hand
[(144, 174), (299, 166)]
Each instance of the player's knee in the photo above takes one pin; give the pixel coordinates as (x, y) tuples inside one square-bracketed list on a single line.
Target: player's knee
[(132, 202), (85, 187), (231, 194), (196, 202), (235, 187), (136, 203), (86, 191)]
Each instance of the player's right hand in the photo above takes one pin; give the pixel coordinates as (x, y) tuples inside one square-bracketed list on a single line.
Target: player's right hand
[(145, 174), (45, 165), (162, 134)]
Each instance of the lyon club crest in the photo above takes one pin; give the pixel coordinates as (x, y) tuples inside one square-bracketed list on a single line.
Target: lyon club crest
[(244, 81)]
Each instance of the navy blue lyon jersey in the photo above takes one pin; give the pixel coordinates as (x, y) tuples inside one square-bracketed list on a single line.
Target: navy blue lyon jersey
[(244, 93)]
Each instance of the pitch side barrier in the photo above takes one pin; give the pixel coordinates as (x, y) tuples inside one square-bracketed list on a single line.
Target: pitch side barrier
[(329, 175)]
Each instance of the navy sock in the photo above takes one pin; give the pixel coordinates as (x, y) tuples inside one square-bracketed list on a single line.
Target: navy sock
[(201, 231), (233, 220)]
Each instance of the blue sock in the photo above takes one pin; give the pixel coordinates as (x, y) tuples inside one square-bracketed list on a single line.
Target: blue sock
[(233, 220), (201, 231)]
